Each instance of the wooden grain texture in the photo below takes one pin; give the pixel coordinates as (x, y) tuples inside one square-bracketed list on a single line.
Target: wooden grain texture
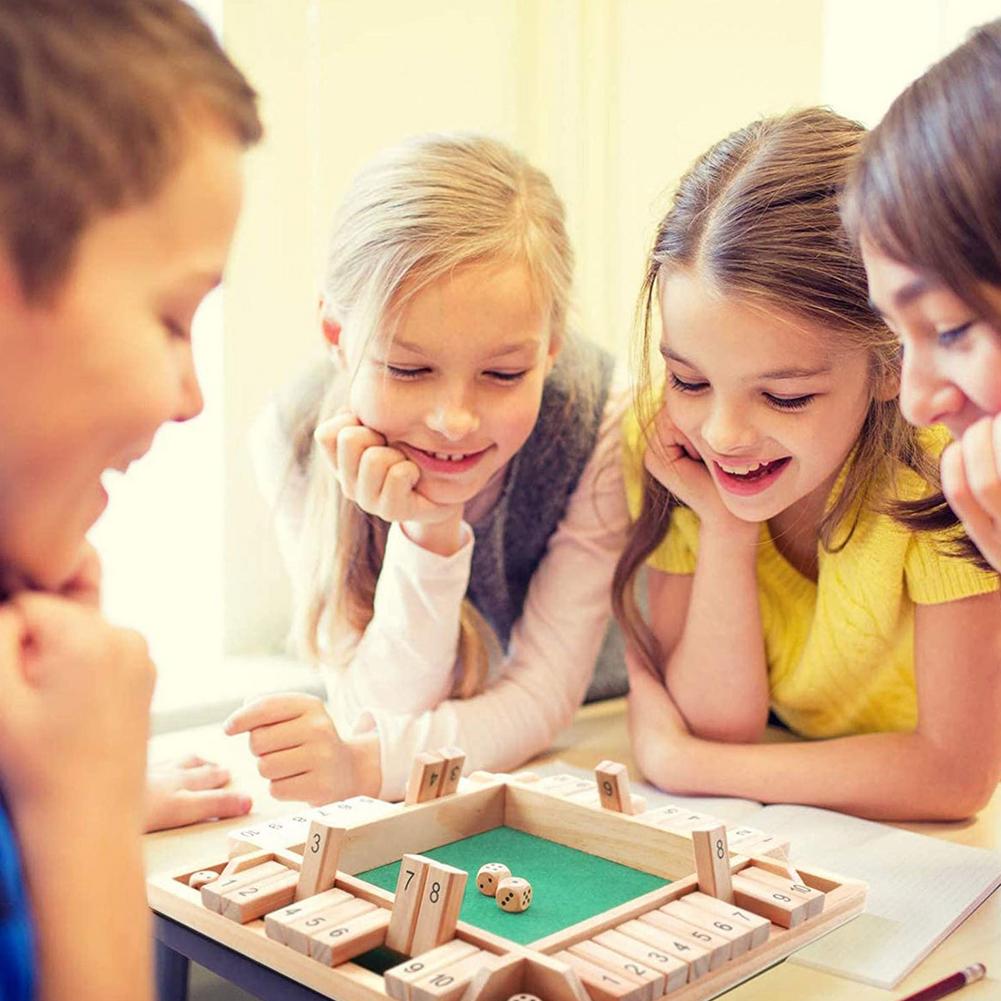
[(712, 861), (616, 836), (425, 778), (535, 970), (320, 858), (406, 902), (399, 978), (455, 760), (440, 903), (424, 826), (675, 971)]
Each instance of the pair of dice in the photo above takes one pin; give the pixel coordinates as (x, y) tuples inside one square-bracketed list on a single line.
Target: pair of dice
[(512, 892)]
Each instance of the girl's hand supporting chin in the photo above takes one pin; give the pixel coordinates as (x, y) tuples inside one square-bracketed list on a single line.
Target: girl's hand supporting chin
[(672, 460), (383, 482), (971, 481)]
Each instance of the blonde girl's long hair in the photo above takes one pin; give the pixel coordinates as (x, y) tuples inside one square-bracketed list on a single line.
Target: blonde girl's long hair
[(756, 218), (413, 216)]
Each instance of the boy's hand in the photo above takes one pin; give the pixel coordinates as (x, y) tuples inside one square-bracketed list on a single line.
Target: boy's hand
[(298, 749), (971, 481), (74, 717), (672, 460), (383, 482), (188, 791), (85, 584)]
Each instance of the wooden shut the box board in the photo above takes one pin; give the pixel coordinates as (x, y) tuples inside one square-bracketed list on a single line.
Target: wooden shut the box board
[(363, 900)]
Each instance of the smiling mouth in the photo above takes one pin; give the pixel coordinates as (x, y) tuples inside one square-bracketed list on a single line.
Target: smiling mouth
[(434, 461), (748, 479), (448, 456), (754, 471)]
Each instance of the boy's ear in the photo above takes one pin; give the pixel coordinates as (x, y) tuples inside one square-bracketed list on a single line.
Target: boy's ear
[(331, 329)]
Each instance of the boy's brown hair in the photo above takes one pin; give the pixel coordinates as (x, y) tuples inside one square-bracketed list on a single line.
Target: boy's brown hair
[(96, 99)]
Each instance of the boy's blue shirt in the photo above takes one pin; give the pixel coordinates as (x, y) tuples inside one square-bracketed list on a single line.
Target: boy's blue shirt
[(17, 936)]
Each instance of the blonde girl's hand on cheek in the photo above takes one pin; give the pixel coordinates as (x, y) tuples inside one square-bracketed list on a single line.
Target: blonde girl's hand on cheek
[(74, 719), (383, 482), (971, 481), (673, 461), (299, 751)]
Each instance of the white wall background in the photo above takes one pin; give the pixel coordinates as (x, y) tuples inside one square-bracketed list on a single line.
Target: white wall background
[(612, 97)]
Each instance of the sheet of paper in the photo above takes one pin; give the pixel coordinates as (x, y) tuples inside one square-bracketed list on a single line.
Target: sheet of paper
[(920, 889)]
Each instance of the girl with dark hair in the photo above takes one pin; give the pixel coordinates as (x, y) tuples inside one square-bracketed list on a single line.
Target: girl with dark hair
[(924, 204)]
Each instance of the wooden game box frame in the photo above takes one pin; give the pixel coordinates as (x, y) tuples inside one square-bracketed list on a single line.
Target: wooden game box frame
[(479, 806)]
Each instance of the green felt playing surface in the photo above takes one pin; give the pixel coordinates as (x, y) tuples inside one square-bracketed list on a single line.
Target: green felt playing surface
[(567, 885)]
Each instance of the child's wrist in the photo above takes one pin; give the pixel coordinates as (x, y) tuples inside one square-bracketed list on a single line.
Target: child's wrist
[(366, 764), (444, 538), (733, 537)]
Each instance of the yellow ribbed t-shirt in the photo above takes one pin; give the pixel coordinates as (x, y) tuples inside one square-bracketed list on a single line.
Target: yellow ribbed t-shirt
[(840, 650)]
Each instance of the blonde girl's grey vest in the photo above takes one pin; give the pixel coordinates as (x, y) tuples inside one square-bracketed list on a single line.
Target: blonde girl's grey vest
[(511, 540)]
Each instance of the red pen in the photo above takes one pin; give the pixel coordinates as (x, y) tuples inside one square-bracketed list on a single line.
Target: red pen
[(949, 984)]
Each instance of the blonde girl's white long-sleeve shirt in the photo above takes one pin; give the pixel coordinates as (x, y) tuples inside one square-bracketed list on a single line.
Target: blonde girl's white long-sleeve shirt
[(398, 679)]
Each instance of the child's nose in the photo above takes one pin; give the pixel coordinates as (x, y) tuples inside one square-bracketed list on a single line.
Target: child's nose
[(926, 397), (724, 431), (190, 402), (453, 422)]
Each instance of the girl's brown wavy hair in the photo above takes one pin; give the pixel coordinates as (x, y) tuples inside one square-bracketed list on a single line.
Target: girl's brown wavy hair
[(756, 218)]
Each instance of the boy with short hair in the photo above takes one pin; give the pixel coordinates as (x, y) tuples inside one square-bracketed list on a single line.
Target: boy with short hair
[(122, 127)]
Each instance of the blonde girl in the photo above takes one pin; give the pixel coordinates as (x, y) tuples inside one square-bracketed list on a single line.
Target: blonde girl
[(453, 491), (791, 564), (924, 201)]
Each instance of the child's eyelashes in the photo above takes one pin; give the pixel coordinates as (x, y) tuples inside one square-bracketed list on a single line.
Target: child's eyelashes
[(946, 338), (507, 376), (397, 372), (687, 387), (790, 402), (409, 374), (781, 402)]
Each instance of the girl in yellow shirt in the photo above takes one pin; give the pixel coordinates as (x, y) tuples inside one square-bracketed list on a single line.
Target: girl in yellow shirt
[(780, 504)]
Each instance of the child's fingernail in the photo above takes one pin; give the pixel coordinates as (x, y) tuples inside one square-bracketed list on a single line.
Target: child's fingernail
[(245, 804)]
